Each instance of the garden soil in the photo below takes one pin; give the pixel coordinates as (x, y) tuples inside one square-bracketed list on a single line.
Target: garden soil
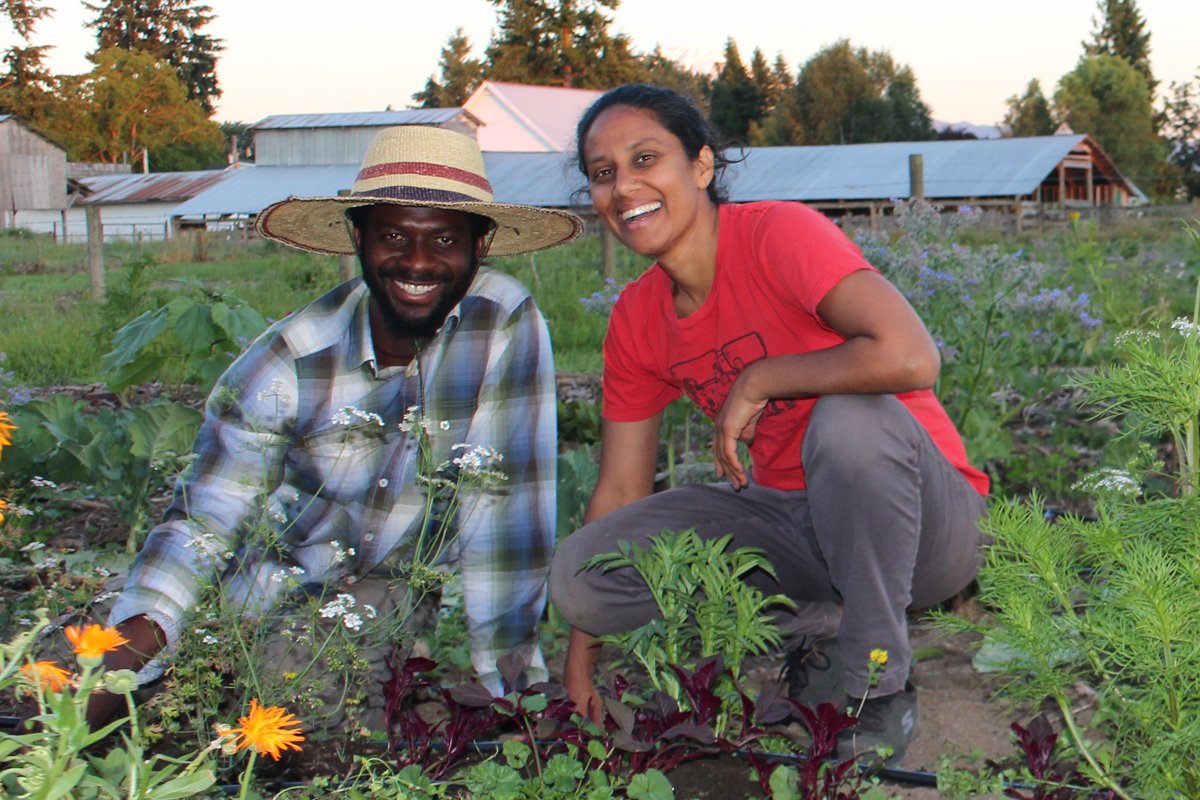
[(958, 717)]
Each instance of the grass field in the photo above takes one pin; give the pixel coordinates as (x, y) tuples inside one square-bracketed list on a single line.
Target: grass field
[(54, 333)]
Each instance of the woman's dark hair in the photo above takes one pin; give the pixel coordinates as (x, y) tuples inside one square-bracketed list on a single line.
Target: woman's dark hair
[(676, 112)]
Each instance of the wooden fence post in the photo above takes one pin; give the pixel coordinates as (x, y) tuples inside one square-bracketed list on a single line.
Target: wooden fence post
[(95, 252), (916, 176), (608, 253)]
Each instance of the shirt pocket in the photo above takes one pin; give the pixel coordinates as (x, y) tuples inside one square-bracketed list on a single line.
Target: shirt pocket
[(337, 463)]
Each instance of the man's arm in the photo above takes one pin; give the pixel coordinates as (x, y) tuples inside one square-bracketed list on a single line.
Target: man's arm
[(237, 455), (506, 541), (628, 457)]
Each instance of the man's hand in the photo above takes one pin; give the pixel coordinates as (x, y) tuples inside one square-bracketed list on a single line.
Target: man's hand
[(145, 640)]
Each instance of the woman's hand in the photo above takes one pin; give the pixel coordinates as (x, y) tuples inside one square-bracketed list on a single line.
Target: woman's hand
[(578, 672), (736, 422)]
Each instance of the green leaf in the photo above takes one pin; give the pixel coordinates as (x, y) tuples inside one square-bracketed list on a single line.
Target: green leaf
[(650, 785), (238, 321), (132, 339), (184, 785), (156, 430), (192, 324)]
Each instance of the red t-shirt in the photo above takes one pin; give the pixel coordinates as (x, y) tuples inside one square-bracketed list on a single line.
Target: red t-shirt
[(775, 262)]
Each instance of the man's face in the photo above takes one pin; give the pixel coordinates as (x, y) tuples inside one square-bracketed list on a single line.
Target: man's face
[(418, 263)]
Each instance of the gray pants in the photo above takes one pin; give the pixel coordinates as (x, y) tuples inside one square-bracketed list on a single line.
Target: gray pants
[(885, 524)]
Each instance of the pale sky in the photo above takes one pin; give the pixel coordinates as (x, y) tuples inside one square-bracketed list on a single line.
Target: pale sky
[(314, 56)]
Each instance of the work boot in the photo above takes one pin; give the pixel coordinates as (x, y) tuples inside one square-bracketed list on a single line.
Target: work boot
[(813, 673), (889, 721)]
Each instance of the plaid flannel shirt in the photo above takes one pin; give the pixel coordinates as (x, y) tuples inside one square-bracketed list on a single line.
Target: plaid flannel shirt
[(340, 498)]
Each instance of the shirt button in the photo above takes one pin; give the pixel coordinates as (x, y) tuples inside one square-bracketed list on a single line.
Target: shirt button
[(383, 482), (370, 537)]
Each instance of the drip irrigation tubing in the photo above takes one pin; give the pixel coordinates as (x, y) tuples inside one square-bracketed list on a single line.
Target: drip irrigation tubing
[(908, 777)]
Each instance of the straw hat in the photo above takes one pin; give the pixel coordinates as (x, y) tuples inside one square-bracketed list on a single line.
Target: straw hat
[(413, 165)]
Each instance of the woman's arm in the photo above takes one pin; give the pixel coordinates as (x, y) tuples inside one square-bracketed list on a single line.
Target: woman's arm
[(887, 350), (628, 457)]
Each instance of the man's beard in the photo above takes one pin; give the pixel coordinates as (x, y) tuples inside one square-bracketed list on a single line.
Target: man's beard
[(421, 325)]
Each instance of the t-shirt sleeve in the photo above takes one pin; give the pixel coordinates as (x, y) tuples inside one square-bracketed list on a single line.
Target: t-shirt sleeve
[(633, 388), (807, 253)]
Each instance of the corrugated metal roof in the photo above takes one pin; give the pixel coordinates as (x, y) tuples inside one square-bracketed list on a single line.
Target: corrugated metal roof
[(249, 191), (963, 169), (155, 187), (366, 119), (537, 179), (953, 169)]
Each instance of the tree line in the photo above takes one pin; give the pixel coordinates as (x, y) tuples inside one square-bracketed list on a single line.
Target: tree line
[(154, 83), (845, 94), (148, 97)]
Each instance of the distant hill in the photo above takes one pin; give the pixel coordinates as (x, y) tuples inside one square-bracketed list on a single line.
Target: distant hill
[(980, 131)]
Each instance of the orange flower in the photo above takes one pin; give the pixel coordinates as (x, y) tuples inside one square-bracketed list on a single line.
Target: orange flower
[(6, 429), (3, 505), (266, 730), (94, 640), (49, 674)]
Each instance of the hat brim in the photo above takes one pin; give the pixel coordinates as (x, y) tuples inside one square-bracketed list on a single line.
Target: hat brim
[(318, 224)]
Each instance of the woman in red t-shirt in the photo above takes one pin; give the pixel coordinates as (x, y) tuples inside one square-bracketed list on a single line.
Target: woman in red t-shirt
[(769, 318)]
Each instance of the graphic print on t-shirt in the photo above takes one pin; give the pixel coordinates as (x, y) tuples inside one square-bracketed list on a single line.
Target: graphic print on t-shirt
[(707, 377)]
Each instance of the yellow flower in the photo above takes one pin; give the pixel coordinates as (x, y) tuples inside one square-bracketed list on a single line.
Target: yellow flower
[(6, 429), (49, 674), (879, 657), (3, 505), (94, 640), (266, 730)]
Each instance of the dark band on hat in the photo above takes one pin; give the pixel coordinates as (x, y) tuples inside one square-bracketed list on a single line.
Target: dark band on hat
[(424, 168), (418, 194)]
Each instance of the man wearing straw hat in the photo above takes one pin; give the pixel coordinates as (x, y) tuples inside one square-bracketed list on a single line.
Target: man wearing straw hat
[(317, 474)]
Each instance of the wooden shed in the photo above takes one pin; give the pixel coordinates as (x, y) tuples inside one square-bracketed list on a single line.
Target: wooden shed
[(33, 173)]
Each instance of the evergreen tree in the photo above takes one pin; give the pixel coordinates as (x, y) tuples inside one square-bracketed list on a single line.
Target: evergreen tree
[(1181, 117), (27, 87), (24, 15), (25, 81), (460, 75), (559, 43), (1106, 97), (655, 68), (1028, 114), (1122, 32), (735, 101), (169, 30), (780, 124)]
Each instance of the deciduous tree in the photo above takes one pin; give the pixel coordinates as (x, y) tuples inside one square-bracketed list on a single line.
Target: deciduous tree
[(171, 31), (1028, 114), (460, 75), (131, 102), (1106, 97), (848, 95), (559, 43)]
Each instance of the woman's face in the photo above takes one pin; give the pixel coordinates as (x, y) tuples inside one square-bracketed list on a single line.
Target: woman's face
[(642, 183)]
